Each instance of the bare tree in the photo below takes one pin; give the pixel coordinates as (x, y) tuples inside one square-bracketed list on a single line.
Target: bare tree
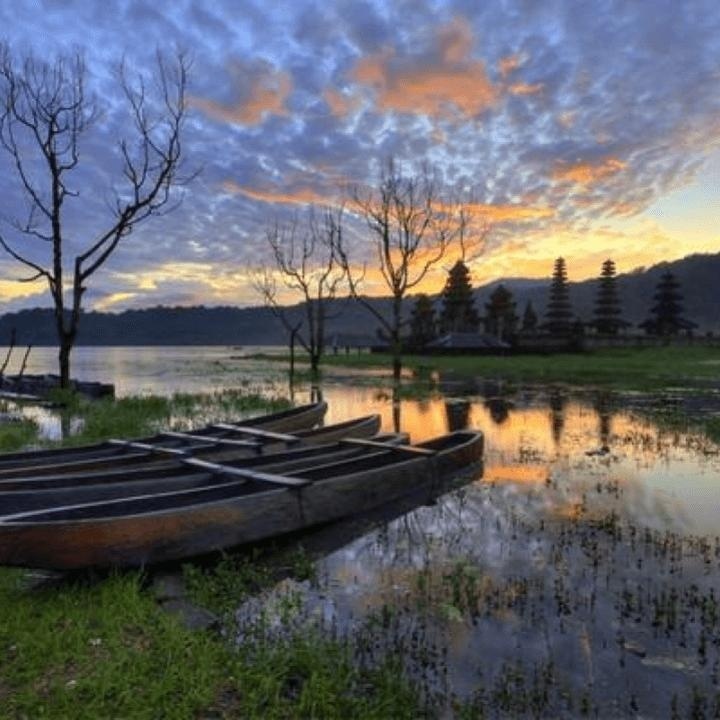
[(307, 262), (45, 112), (411, 229)]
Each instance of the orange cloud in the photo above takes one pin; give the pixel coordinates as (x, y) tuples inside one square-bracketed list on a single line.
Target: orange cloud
[(300, 196), (509, 64), (585, 173), (507, 213), (14, 290), (453, 84), (525, 88), (262, 89), (339, 104)]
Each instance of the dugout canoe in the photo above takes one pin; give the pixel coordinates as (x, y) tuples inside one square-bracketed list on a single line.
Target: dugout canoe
[(173, 463), (141, 461), (42, 385), (302, 417), (182, 476), (246, 505)]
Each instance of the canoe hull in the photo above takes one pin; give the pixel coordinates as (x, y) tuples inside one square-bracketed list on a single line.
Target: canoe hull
[(144, 539), (286, 421)]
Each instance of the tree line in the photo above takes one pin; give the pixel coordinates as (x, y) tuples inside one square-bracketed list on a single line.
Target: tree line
[(459, 314)]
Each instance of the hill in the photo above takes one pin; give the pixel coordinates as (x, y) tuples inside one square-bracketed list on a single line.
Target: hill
[(698, 276)]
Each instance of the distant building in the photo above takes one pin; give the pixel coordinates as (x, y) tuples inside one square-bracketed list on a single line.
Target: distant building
[(468, 341)]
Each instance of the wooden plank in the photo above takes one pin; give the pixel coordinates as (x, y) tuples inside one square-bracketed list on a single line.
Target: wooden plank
[(147, 447), (410, 449), (211, 440), (256, 432), (245, 474)]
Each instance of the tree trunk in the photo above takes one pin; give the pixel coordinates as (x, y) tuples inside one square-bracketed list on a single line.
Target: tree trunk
[(396, 344), (396, 408), (66, 343)]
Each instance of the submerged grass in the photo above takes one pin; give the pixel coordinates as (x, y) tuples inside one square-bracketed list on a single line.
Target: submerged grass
[(91, 421)]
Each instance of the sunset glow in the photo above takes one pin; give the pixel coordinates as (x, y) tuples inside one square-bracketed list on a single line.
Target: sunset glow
[(562, 135)]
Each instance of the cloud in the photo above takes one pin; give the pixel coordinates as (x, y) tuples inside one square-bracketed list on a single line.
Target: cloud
[(340, 104), (510, 63), (568, 132), (507, 213), (586, 173), (299, 196), (442, 82), (260, 89), (525, 88)]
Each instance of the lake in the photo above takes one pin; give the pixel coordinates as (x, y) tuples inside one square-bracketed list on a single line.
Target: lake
[(576, 575)]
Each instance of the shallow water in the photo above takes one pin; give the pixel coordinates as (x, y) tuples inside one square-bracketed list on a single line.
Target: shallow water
[(579, 574)]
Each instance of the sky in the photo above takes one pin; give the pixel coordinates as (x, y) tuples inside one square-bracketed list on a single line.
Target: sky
[(579, 129)]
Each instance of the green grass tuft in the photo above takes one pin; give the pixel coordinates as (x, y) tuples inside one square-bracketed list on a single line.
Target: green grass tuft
[(17, 434)]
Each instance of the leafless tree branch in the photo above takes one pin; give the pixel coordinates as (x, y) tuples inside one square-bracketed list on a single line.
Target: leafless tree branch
[(44, 114)]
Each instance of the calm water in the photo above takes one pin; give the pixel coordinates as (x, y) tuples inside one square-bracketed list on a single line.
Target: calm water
[(580, 571)]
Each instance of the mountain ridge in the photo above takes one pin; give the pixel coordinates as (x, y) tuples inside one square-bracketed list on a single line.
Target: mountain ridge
[(698, 275)]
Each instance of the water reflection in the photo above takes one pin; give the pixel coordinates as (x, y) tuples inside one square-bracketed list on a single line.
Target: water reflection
[(668, 478), (580, 571)]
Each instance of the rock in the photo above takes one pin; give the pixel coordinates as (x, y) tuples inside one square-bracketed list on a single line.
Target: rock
[(192, 616), (169, 586)]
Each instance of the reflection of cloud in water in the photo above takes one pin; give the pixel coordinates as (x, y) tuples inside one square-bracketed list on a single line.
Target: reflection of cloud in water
[(494, 575)]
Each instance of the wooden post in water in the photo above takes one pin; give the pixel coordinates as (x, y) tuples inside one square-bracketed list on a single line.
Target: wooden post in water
[(24, 361), (11, 347), (293, 333)]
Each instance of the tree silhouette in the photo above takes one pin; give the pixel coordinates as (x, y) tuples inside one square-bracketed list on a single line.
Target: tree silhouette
[(607, 310), (422, 322), (666, 313), (559, 315), (307, 263), (500, 318), (530, 319), (45, 114), (411, 228), (458, 313)]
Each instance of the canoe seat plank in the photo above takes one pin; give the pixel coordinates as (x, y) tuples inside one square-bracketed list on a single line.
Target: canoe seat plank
[(245, 474), (410, 449), (210, 439), (257, 432), (135, 445)]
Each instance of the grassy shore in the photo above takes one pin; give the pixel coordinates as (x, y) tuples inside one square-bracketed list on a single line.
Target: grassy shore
[(626, 369), (104, 647)]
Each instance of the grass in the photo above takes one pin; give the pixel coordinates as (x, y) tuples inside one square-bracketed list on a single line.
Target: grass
[(135, 416), (17, 434), (631, 369), (625, 369), (106, 649)]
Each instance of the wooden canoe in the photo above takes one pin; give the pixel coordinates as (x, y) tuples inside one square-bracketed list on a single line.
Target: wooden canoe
[(183, 476), (152, 460), (285, 421), (43, 385), (244, 506), (306, 443)]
